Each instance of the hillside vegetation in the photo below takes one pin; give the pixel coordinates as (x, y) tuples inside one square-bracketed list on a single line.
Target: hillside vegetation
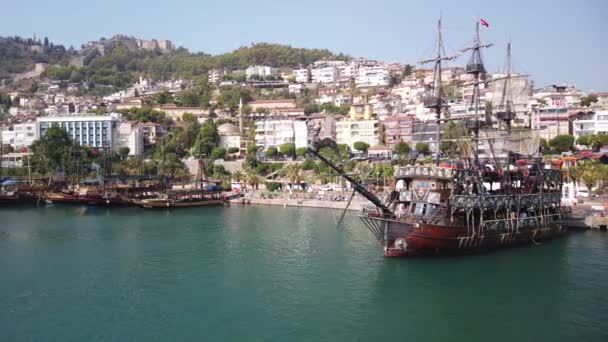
[(121, 64), (19, 55)]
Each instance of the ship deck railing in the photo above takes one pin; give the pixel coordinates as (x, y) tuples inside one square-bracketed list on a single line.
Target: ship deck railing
[(517, 222)]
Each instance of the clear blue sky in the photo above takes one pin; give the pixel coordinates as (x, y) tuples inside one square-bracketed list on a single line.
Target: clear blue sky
[(556, 41)]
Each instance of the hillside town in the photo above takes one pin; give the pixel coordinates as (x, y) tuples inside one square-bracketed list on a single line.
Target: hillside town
[(372, 108)]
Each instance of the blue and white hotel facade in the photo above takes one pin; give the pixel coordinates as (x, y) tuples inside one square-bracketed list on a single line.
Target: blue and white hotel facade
[(92, 131)]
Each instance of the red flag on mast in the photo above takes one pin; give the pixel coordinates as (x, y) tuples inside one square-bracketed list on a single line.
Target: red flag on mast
[(484, 23)]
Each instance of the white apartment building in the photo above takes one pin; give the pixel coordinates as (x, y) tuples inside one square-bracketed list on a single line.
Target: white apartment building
[(215, 75), (131, 135), (279, 131), (20, 135), (592, 123), (350, 131), (93, 131), (373, 76), (260, 70), (301, 75), (326, 75)]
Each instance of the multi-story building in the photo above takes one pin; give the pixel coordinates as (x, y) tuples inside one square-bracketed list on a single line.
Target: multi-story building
[(425, 132), (260, 70), (343, 99), (93, 131), (373, 76), (399, 128), (326, 75), (361, 111), (152, 132), (20, 135), (553, 106), (602, 99), (321, 125), (351, 131), (215, 75), (281, 106), (592, 122), (278, 131), (129, 134), (385, 104), (302, 75)]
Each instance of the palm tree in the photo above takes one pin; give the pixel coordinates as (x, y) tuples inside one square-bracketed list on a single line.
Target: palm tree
[(238, 176), (293, 172), (253, 179)]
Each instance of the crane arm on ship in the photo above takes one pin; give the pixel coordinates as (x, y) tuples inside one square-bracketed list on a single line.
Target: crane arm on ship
[(358, 187)]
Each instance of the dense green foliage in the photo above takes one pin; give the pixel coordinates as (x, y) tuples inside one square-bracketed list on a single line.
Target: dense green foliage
[(586, 101), (271, 152), (361, 146), (145, 114), (207, 139), (402, 148), (423, 148), (327, 108), (593, 141), (56, 151), (121, 63), (590, 173), (562, 143), (301, 151), (288, 150)]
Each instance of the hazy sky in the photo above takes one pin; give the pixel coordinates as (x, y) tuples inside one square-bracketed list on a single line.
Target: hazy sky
[(556, 41)]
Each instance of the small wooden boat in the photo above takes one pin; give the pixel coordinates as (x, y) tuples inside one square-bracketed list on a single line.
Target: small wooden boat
[(183, 198)]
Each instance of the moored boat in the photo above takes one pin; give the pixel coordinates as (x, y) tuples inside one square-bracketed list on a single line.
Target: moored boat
[(183, 198)]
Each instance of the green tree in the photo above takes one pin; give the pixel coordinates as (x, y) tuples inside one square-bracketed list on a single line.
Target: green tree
[(261, 110), (590, 173), (218, 153), (586, 101), (361, 146), (207, 139), (301, 151), (124, 152), (308, 164), (593, 141), (544, 146), (233, 150), (53, 151), (562, 143), (423, 148), (402, 148), (252, 148), (288, 149), (293, 173), (163, 97), (189, 117), (271, 152)]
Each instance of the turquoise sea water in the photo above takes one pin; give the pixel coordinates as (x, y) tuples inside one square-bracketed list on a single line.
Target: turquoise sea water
[(280, 274)]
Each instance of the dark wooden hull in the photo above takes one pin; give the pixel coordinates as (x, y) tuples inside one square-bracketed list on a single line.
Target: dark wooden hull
[(20, 199), (402, 239)]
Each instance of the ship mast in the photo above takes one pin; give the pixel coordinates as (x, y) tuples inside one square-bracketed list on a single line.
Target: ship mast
[(476, 68), (434, 99), (507, 113)]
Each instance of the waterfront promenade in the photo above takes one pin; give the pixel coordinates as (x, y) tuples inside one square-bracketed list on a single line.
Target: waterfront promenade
[(328, 200)]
